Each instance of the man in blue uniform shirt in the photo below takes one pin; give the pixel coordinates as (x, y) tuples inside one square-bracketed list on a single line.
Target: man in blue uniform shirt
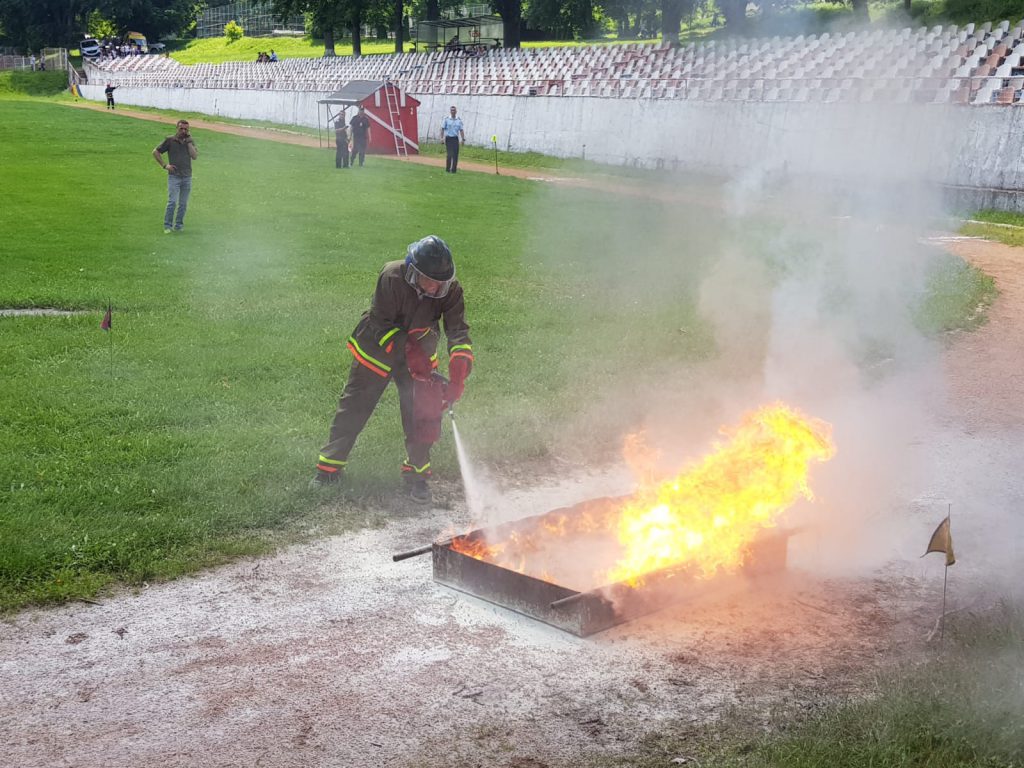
[(451, 132)]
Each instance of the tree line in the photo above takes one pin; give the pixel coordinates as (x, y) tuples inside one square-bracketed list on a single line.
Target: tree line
[(31, 24)]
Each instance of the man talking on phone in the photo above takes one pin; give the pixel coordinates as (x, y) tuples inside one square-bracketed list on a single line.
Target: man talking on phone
[(180, 151)]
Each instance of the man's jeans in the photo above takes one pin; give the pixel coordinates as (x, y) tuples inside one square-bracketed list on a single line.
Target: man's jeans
[(178, 190)]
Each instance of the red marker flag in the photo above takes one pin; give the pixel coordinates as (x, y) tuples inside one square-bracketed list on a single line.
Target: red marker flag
[(107, 319)]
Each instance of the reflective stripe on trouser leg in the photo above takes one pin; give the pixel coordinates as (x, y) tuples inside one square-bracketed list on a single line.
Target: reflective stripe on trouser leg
[(330, 466), (362, 391), (418, 453)]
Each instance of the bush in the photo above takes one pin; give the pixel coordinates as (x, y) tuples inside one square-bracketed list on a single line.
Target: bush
[(233, 31)]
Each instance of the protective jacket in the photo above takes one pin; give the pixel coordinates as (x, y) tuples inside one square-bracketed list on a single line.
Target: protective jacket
[(398, 312)]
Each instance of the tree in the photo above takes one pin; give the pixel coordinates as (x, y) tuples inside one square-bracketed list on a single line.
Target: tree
[(511, 12), (735, 12), (44, 22), (154, 18), (561, 19), (328, 17)]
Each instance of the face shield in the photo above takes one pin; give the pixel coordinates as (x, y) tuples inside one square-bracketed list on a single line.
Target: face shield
[(425, 286)]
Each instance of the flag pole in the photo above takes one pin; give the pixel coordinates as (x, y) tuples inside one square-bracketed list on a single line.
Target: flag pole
[(945, 576), (110, 335)]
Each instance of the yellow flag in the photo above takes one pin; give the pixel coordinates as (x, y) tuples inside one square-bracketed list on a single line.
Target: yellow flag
[(942, 541)]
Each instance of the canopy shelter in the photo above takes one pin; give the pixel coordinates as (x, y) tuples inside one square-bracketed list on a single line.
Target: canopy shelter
[(392, 114), (336, 105), (460, 34)]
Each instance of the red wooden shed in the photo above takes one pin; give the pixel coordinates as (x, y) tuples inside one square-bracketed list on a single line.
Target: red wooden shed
[(394, 127)]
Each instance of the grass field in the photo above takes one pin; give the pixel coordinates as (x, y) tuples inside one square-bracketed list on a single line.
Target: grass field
[(959, 709), (996, 225), (187, 434)]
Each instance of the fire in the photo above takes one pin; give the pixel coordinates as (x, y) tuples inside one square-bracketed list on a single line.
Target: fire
[(707, 516), (703, 520)]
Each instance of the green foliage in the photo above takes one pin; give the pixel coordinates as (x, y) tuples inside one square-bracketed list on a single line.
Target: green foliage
[(101, 27), (965, 11), (233, 31)]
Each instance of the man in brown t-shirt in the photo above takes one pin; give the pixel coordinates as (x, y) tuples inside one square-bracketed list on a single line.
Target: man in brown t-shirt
[(180, 151)]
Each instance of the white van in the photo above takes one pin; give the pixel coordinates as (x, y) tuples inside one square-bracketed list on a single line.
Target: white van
[(89, 48)]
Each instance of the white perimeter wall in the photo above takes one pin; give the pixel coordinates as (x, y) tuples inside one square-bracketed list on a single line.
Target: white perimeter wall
[(976, 147)]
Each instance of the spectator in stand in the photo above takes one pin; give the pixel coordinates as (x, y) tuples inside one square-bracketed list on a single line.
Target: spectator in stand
[(451, 132), (273, 56), (109, 91), (360, 127)]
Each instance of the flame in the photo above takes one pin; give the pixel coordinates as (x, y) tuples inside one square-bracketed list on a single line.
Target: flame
[(708, 515), (704, 519)]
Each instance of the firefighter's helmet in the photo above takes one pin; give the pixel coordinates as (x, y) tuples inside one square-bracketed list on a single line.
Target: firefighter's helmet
[(429, 267)]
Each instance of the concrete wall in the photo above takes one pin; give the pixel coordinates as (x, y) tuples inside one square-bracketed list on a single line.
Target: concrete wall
[(977, 149)]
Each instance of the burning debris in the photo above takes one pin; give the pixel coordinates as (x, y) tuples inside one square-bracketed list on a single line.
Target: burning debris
[(587, 567)]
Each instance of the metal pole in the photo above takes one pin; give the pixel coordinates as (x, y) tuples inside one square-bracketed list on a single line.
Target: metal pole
[(419, 551), (945, 572)]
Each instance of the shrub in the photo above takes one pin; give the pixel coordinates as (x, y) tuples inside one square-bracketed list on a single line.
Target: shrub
[(233, 31)]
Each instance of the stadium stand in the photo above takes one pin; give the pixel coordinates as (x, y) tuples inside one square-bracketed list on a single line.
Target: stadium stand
[(974, 64)]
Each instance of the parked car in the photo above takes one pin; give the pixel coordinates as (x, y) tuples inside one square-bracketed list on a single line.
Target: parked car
[(89, 48), (157, 47)]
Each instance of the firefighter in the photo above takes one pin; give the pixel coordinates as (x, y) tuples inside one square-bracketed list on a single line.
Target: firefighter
[(397, 339)]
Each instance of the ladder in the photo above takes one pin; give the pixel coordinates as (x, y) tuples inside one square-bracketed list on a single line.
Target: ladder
[(395, 118)]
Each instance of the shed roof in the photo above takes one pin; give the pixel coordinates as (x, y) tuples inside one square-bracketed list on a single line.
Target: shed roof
[(466, 21), (353, 92)]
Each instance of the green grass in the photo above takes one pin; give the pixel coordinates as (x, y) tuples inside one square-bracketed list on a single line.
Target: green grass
[(197, 439), (19, 84), (186, 436), (959, 710), (1001, 226), (214, 50), (957, 296)]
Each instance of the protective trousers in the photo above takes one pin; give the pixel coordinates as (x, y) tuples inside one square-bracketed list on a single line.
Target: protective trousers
[(362, 392)]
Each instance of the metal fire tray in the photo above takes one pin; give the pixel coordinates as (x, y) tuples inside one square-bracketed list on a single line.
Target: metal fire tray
[(576, 612)]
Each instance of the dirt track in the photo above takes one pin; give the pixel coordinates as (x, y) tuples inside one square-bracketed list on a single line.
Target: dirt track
[(331, 655)]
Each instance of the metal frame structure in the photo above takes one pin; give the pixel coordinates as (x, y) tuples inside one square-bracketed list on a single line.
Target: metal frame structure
[(256, 17)]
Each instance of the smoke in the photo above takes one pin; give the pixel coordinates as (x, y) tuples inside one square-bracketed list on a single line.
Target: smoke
[(798, 278)]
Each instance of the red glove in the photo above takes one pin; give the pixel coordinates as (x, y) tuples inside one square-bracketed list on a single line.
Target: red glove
[(418, 361), (458, 371)]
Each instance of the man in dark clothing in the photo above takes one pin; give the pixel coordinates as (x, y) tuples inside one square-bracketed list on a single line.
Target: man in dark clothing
[(109, 90), (397, 340), (341, 143), (181, 151), (360, 127)]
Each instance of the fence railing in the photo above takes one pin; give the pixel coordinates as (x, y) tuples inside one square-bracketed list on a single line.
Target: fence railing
[(53, 59)]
